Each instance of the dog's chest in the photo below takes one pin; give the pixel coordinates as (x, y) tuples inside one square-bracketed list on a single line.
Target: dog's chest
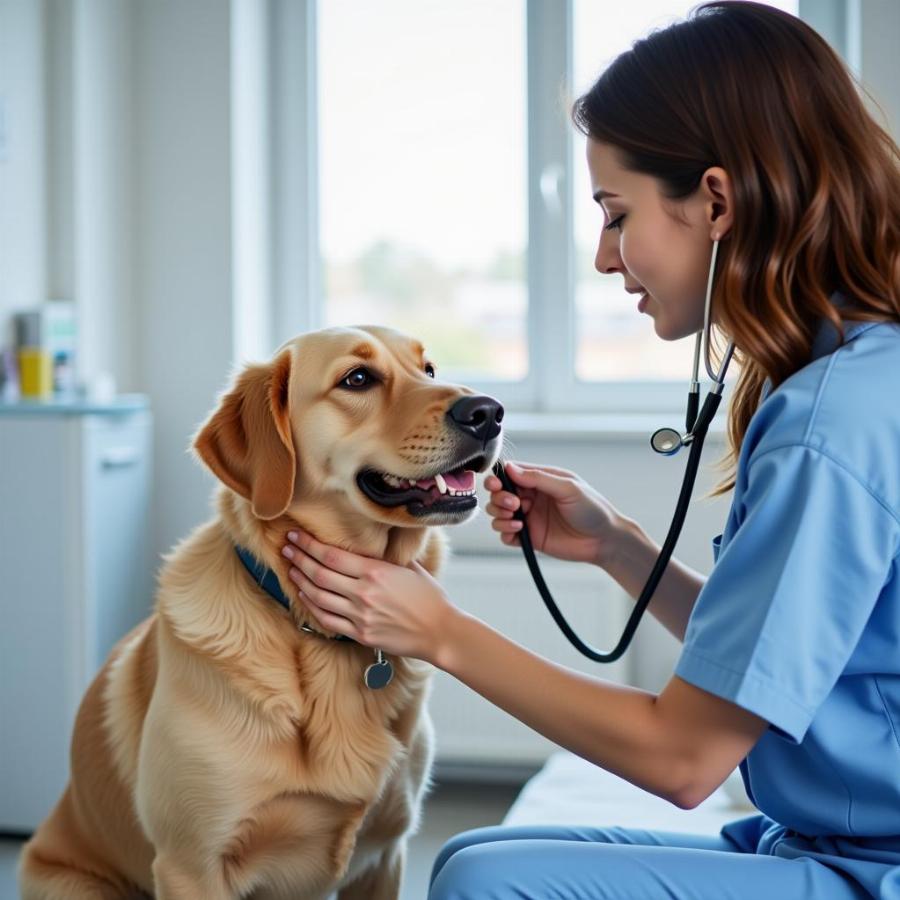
[(322, 729), (353, 794)]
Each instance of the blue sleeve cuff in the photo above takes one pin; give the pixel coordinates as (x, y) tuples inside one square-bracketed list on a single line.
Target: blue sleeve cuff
[(758, 695)]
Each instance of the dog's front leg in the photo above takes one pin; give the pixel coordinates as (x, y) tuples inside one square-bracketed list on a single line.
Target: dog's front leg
[(174, 880), (381, 882)]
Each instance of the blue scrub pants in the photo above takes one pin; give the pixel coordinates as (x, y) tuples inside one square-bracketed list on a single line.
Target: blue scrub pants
[(554, 862)]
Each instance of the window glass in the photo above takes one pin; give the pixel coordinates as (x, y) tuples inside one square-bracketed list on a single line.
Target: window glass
[(422, 155)]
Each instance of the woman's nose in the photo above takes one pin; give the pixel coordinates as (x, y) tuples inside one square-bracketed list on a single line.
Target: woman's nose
[(606, 259)]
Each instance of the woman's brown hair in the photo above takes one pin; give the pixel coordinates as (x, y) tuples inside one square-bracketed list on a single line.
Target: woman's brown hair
[(816, 180)]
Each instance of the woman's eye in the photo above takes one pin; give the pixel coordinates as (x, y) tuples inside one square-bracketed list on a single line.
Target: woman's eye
[(616, 223), (429, 370), (358, 378)]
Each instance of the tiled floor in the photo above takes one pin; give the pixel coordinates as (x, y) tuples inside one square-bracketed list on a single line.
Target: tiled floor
[(449, 809)]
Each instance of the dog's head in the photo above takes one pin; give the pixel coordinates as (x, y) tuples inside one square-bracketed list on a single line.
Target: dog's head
[(355, 417)]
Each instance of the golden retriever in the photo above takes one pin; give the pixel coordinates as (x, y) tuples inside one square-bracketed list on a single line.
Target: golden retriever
[(222, 751)]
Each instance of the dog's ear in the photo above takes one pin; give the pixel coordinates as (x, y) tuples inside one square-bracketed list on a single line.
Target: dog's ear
[(247, 441)]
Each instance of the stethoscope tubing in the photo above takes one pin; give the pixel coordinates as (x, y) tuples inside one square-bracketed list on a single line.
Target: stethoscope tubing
[(710, 406), (696, 430)]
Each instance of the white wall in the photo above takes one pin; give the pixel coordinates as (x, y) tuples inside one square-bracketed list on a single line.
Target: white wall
[(102, 152), (115, 191), (23, 199), (65, 153), (182, 226)]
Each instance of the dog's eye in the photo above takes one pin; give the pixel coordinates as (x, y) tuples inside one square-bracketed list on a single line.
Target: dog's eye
[(429, 370), (358, 378)]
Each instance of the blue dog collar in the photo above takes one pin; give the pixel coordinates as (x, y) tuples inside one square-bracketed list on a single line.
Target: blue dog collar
[(268, 581)]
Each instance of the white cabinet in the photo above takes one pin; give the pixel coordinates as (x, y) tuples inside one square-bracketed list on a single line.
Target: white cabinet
[(76, 573)]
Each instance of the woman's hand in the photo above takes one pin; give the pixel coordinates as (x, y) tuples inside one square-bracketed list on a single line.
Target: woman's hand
[(399, 609), (566, 517)]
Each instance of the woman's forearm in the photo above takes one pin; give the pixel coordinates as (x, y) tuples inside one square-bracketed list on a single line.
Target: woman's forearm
[(630, 563), (614, 726)]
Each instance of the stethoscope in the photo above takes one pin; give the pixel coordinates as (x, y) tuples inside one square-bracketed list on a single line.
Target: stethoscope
[(667, 441)]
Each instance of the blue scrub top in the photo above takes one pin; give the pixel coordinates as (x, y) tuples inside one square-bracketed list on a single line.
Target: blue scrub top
[(799, 620)]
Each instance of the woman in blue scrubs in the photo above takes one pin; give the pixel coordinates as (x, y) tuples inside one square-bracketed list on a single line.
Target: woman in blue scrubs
[(738, 128)]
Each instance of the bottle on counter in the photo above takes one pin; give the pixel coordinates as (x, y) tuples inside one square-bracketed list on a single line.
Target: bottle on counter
[(45, 351), (35, 362)]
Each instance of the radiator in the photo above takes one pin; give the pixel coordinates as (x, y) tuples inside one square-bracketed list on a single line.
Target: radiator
[(499, 590)]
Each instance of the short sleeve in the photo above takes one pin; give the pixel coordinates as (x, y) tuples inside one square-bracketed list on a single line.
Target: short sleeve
[(792, 589)]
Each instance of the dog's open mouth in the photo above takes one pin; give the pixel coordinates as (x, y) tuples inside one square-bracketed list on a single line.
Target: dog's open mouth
[(444, 492)]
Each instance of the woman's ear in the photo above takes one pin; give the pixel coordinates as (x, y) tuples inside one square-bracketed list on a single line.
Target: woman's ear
[(247, 441), (718, 194)]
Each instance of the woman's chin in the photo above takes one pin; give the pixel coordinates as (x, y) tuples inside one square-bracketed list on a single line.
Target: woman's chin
[(667, 330), (663, 328)]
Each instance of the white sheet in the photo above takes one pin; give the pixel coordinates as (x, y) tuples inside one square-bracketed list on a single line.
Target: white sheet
[(569, 790)]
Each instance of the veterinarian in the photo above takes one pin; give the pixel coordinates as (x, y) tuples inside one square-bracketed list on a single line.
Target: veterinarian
[(738, 128)]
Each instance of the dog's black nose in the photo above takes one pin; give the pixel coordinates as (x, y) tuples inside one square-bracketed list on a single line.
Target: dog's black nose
[(477, 416)]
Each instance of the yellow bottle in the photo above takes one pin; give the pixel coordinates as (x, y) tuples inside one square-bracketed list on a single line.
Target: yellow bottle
[(35, 373)]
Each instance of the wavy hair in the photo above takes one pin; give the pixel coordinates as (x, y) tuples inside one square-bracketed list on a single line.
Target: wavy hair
[(816, 180)]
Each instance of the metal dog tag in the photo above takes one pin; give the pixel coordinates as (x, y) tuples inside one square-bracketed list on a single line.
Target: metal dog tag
[(379, 674)]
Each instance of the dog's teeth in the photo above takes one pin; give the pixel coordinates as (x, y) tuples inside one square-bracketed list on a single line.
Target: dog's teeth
[(441, 484)]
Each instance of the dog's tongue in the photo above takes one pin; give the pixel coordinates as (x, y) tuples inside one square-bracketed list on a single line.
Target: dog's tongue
[(464, 481)]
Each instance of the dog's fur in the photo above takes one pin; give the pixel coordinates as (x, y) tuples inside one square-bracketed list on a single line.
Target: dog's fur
[(221, 752)]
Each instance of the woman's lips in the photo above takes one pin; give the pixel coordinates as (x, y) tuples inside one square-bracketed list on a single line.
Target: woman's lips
[(642, 303)]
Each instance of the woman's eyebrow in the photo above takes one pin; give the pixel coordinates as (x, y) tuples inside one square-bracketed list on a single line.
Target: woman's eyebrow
[(602, 195)]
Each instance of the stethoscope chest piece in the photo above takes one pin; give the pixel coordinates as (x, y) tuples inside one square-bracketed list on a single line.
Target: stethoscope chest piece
[(666, 441)]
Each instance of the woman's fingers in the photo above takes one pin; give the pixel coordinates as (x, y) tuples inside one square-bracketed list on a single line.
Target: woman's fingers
[(350, 564), (553, 470), (329, 602), (511, 500), (320, 574), (503, 497), (493, 483), (495, 511), (504, 505), (331, 611), (506, 526)]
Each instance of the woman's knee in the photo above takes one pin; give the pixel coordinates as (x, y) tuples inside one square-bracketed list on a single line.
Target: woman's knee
[(458, 843), (464, 875)]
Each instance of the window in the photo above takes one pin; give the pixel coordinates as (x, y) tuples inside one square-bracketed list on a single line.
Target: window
[(422, 187)]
